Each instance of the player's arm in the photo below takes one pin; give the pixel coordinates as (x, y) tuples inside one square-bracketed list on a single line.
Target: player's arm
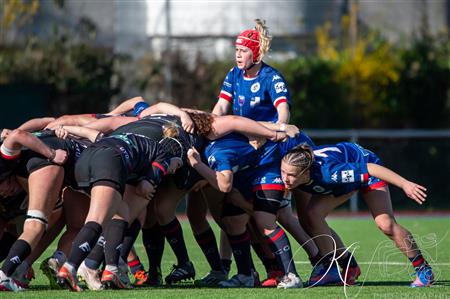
[(126, 106), (17, 139), (71, 120), (412, 190), (221, 180), (109, 124), (283, 113), (31, 125), (83, 132), (222, 107), (167, 108), (291, 130)]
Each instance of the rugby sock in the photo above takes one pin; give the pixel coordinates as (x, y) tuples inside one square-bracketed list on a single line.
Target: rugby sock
[(135, 265), (226, 264), (84, 242), (131, 234), (17, 254), (270, 264), (208, 244), (154, 241), (97, 254), (346, 259), (281, 248), (113, 241), (5, 244), (240, 245), (174, 235), (315, 260), (418, 261), (59, 256)]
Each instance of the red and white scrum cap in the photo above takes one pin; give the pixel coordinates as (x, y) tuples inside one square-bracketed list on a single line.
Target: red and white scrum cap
[(250, 39)]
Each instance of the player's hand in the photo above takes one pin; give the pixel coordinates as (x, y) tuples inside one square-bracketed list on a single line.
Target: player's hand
[(5, 133), (60, 132), (52, 126), (415, 192), (60, 157), (279, 136), (193, 156), (145, 189), (292, 130), (187, 123)]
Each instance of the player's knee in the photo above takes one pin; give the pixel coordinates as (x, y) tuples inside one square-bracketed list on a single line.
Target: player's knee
[(34, 227), (386, 225)]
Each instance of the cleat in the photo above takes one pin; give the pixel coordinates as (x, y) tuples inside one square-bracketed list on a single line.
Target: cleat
[(238, 281), (350, 275), (23, 279), (115, 279), (273, 279), (91, 277), (154, 277), (180, 273), (140, 277), (211, 279), (257, 281), (323, 274), (290, 281), (8, 284), (50, 268), (424, 277), (67, 278)]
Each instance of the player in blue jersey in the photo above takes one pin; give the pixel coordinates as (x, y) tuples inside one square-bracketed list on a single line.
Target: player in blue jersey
[(233, 163), (332, 174)]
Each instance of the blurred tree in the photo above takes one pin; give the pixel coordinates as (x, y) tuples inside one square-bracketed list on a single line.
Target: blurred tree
[(16, 13)]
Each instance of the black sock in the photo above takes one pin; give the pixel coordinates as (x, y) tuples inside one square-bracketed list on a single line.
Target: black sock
[(131, 234), (281, 248), (208, 244), (269, 263), (174, 235), (97, 254), (17, 254), (226, 264), (240, 244), (84, 242), (6, 243), (114, 238), (154, 241), (346, 259)]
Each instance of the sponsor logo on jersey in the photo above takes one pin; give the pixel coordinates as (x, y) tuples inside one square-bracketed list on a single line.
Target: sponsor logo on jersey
[(255, 87), (227, 84), (254, 101), (276, 77), (280, 87), (348, 176), (334, 177), (277, 181), (211, 160), (241, 100)]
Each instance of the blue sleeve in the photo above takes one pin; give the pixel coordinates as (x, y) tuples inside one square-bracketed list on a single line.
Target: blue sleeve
[(278, 90), (226, 92), (139, 107), (344, 173), (219, 163)]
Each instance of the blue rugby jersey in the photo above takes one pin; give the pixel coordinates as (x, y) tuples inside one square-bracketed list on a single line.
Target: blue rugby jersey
[(339, 169), (231, 152), (256, 98)]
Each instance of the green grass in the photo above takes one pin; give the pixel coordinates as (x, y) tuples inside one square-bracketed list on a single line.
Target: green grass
[(386, 273)]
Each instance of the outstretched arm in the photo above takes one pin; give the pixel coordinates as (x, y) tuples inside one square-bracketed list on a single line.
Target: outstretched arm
[(36, 124), (109, 124), (17, 139), (412, 190), (83, 132), (167, 108), (283, 113), (71, 120), (226, 124), (221, 108), (126, 106)]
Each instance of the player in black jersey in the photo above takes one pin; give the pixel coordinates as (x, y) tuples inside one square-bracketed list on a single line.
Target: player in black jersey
[(105, 168)]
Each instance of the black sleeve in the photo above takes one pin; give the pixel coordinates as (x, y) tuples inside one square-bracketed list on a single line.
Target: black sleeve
[(159, 167)]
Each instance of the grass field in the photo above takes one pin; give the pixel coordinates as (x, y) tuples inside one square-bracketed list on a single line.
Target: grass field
[(386, 273)]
